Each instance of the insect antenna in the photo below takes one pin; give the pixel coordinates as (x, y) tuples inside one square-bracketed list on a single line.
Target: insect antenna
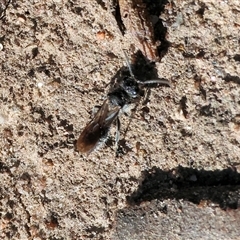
[(128, 64), (153, 81)]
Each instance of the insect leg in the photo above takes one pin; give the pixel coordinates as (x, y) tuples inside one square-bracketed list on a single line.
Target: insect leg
[(117, 133), (146, 96), (133, 111)]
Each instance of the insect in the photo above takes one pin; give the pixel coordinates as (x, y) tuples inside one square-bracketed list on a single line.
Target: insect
[(126, 91)]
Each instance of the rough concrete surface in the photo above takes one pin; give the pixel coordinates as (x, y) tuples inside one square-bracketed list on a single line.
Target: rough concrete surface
[(177, 174)]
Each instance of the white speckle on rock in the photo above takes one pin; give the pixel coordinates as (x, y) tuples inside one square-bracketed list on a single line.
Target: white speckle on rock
[(39, 84), (3, 119)]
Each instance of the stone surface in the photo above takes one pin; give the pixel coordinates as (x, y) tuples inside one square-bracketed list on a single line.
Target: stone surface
[(178, 174)]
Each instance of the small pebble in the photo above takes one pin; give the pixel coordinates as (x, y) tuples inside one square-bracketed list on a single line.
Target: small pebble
[(101, 35)]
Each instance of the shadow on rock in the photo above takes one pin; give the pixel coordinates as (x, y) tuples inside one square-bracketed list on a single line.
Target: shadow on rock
[(221, 187)]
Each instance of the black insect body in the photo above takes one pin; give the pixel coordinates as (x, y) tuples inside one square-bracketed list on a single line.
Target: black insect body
[(126, 91)]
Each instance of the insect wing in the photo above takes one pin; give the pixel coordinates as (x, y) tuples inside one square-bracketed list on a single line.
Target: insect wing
[(97, 129), (93, 131)]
